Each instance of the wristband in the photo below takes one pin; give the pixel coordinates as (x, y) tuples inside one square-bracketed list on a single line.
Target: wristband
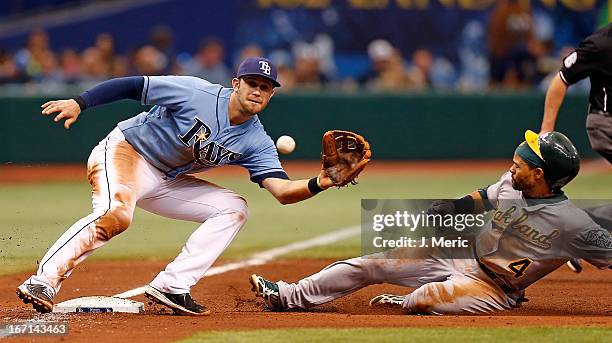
[(79, 100), (464, 205), (313, 186), (485, 199), (319, 183)]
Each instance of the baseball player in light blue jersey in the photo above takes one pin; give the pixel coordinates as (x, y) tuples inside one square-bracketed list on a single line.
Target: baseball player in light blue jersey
[(534, 230), (147, 161)]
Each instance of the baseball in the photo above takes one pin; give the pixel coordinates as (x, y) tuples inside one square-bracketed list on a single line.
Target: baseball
[(285, 144)]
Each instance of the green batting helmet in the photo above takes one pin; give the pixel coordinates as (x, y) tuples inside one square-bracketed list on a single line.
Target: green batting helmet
[(559, 155)]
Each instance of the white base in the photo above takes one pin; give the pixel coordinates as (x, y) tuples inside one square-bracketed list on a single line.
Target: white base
[(99, 304)]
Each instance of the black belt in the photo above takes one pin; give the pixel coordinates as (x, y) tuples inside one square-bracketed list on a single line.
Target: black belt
[(600, 113), (498, 281)]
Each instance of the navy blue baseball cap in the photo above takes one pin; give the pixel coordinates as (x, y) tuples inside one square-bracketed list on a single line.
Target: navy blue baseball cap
[(258, 66)]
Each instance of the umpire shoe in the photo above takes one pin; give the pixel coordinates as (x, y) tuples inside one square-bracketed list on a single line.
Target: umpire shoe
[(387, 299), (182, 304), (40, 296), (267, 290)]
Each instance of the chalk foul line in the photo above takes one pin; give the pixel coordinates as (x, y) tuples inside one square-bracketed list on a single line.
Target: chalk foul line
[(266, 256)]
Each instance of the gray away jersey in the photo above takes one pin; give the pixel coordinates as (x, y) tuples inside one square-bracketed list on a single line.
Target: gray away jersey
[(529, 238), (188, 130)]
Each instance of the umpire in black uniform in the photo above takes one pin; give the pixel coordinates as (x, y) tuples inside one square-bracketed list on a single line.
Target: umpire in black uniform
[(593, 59)]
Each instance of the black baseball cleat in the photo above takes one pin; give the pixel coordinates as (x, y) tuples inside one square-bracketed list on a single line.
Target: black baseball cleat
[(40, 296), (575, 265), (267, 290), (182, 304)]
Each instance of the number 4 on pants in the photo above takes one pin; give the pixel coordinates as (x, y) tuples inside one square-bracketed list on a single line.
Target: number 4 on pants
[(519, 267)]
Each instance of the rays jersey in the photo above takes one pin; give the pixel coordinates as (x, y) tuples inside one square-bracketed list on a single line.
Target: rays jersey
[(529, 238), (188, 130)]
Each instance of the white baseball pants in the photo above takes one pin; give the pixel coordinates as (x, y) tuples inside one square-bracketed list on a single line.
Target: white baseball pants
[(121, 180)]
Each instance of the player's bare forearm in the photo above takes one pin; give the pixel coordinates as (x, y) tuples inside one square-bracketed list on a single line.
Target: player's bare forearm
[(292, 191), (288, 191), (554, 99)]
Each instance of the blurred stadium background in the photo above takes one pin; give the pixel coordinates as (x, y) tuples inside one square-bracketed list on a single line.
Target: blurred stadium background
[(421, 79), (470, 45)]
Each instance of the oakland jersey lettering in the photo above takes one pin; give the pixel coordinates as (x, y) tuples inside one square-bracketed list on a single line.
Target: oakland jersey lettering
[(502, 219)]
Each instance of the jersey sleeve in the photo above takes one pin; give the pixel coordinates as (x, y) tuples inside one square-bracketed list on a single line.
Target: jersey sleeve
[(168, 91), (112, 90), (492, 191), (264, 163), (593, 244), (579, 63), (502, 189)]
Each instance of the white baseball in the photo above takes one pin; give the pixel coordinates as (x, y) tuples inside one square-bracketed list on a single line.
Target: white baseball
[(285, 144)]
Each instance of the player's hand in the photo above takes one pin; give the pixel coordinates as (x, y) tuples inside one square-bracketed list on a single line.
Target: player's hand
[(520, 302), (68, 109), (442, 207), (324, 181)]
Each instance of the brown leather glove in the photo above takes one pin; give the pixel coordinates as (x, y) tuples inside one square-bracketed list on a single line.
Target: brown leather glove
[(345, 155)]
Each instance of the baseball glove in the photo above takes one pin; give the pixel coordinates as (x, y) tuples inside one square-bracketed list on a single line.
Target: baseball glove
[(345, 155)]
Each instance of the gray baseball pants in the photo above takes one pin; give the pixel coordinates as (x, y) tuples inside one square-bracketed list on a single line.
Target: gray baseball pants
[(443, 284), (599, 129)]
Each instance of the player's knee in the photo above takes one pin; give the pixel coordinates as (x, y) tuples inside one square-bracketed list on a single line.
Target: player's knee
[(241, 211), (421, 307), (425, 299), (442, 298), (124, 216), (116, 220), (236, 210), (356, 269)]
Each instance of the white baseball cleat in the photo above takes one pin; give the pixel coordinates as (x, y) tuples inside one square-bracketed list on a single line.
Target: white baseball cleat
[(390, 299), (40, 296)]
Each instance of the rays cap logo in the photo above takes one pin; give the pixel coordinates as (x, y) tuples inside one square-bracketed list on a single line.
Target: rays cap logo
[(258, 66)]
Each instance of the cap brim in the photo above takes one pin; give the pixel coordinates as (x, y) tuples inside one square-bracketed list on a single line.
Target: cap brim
[(274, 82), (533, 140)]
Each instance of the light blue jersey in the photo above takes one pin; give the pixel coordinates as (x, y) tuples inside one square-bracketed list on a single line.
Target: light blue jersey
[(188, 130)]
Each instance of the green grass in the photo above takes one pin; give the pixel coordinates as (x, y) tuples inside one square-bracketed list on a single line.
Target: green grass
[(33, 216), (438, 335)]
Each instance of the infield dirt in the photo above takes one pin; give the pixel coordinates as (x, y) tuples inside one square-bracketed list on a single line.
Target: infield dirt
[(561, 299)]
